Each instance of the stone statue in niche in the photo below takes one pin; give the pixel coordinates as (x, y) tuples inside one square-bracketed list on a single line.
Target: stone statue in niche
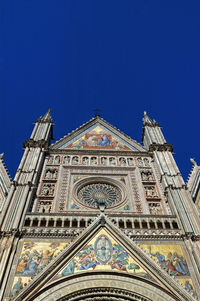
[(57, 160), (75, 160), (51, 174), (130, 161), (45, 190), (147, 176), (55, 174), (66, 160), (112, 161), (44, 208), (85, 160), (146, 162), (122, 161), (48, 174), (104, 161), (140, 162), (151, 192), (94, 161), (50, 160), (51, 189), (155, 209)]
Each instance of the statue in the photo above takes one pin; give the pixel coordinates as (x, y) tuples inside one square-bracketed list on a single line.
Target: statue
[(122, 161), (104, 161), (94, 161), (85, 160), (57, 159), (66, 159)]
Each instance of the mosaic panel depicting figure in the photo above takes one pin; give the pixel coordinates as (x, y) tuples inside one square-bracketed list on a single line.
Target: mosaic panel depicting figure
[(98, 138), (33, 258), (171, 258), (103, 253)]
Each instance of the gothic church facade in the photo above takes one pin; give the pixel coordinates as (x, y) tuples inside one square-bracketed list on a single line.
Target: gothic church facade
[(98, 216)]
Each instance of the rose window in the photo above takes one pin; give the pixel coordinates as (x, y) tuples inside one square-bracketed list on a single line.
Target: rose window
[(95, 194)]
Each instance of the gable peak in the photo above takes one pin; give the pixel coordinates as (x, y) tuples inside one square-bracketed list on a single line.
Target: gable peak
[(97, 133)]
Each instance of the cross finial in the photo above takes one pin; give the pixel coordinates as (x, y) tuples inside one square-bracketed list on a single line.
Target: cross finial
[(97, 112)]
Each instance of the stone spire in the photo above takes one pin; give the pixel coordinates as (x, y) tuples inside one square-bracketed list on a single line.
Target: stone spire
[(147, 120), (43, 128), (152, 134)]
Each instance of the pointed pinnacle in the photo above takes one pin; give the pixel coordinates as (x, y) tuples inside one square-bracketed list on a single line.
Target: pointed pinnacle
[(147, 120), (193, 161), (47, 116)]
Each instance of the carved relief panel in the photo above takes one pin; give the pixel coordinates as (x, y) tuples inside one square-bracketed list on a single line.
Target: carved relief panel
[(57, 194), (91, 160)]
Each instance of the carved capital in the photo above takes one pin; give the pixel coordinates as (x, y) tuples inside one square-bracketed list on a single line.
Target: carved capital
[(32, 143), (161, 147)]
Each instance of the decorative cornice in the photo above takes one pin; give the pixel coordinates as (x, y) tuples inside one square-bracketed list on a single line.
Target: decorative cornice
[(32, 143), (160, 147), (99, 152)]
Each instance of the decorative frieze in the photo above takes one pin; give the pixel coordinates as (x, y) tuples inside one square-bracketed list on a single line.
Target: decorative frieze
[(143, 162), (63, 190), (93, 160), (136, 196)]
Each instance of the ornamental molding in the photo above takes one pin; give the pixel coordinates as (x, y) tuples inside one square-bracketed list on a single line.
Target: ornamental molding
[(161, 147), (104, 293), (88, 152), (32, 143)]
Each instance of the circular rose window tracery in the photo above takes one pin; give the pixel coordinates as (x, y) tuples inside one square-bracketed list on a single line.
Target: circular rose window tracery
[(95, 194)]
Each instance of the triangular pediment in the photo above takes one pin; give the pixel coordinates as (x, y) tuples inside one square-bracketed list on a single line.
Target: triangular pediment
[(103, 253), (97, 134), (102, 248)]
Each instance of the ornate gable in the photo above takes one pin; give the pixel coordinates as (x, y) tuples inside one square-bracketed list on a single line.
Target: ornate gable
[(102, 253), (97, 134)]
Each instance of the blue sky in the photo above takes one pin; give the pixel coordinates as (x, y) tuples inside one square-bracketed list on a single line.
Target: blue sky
[(123, 57)]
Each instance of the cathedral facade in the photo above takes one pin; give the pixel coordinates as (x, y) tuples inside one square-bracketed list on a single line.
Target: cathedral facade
[(98, 216)]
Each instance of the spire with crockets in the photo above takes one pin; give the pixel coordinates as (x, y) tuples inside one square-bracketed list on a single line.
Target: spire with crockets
[(152, 133), (43, 128)]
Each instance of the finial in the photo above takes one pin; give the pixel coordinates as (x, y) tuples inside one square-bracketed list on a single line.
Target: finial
[(145, 113), (1, 155), (193, 161), (97, 112)]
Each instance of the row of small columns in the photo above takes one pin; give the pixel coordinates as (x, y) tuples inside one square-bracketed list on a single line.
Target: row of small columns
[(146, 224), (82, 223), (62, 223)]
